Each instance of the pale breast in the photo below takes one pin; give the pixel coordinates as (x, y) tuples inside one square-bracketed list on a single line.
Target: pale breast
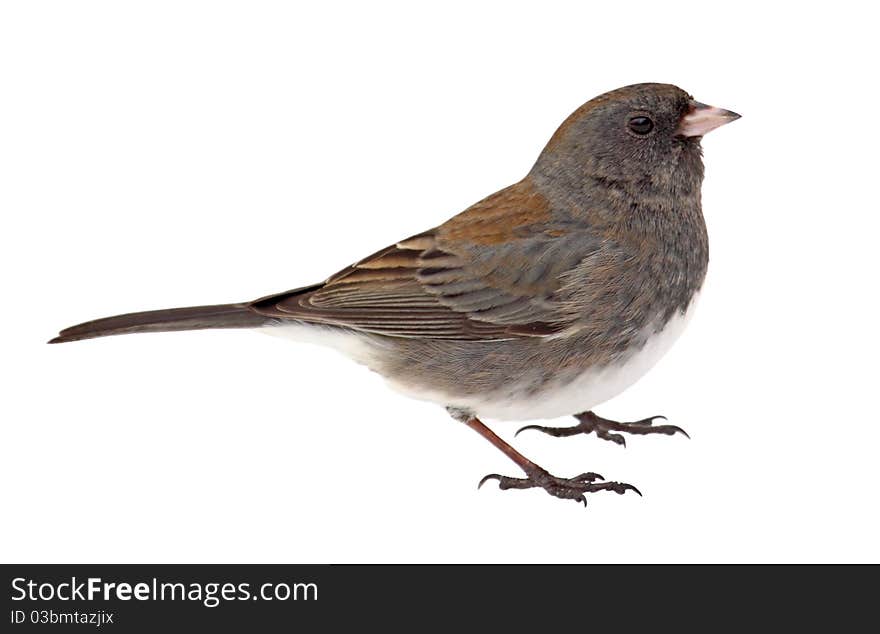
[(556, 399), (515, 400)]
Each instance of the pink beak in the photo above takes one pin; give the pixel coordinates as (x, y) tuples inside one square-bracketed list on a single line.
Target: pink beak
[(701, 119)]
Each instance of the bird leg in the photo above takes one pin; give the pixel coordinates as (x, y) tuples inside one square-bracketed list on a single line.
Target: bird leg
[(536, 477), (604, 428)]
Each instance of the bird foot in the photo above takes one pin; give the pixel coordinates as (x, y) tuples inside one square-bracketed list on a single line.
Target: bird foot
[(588, 422), (563, 488)]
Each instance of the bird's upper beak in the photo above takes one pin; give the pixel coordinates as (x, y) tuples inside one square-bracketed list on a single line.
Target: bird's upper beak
[(700, 119)]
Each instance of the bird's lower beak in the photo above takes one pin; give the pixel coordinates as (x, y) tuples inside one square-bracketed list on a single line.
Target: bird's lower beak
[(700, 119)]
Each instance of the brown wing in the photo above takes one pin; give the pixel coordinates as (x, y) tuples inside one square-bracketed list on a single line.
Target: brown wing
[(489, 273)]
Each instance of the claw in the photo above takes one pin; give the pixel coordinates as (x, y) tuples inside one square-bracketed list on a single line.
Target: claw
[(669, 430), (487, 478), (589, 476), (521, 429)]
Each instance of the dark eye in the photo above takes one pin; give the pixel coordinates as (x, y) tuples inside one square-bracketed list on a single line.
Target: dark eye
[(641, 125)]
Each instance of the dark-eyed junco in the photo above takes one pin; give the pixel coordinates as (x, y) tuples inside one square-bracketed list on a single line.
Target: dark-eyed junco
[(543, 300)]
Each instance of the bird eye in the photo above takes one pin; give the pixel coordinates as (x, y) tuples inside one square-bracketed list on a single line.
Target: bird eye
[(641, 125)]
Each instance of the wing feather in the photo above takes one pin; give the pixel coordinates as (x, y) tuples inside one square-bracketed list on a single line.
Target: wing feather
[(490, 273)]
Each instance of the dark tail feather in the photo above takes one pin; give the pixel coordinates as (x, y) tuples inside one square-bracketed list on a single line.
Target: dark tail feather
[(190, 318)]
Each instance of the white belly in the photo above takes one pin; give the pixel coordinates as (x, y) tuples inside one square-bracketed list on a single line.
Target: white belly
[(573, 397), (580, 395)]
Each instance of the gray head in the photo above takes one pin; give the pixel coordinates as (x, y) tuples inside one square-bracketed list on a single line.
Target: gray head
[(644, 136)]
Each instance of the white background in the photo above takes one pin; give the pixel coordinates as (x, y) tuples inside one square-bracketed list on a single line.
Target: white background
[(177, 153)]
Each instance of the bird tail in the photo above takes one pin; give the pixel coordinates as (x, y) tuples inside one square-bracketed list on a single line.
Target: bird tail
[(190, 318)]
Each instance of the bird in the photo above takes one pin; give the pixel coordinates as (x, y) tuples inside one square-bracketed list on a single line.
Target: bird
[(542, 300)]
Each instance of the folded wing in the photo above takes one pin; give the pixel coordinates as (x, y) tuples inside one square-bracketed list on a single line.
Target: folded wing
[(490, 273)]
